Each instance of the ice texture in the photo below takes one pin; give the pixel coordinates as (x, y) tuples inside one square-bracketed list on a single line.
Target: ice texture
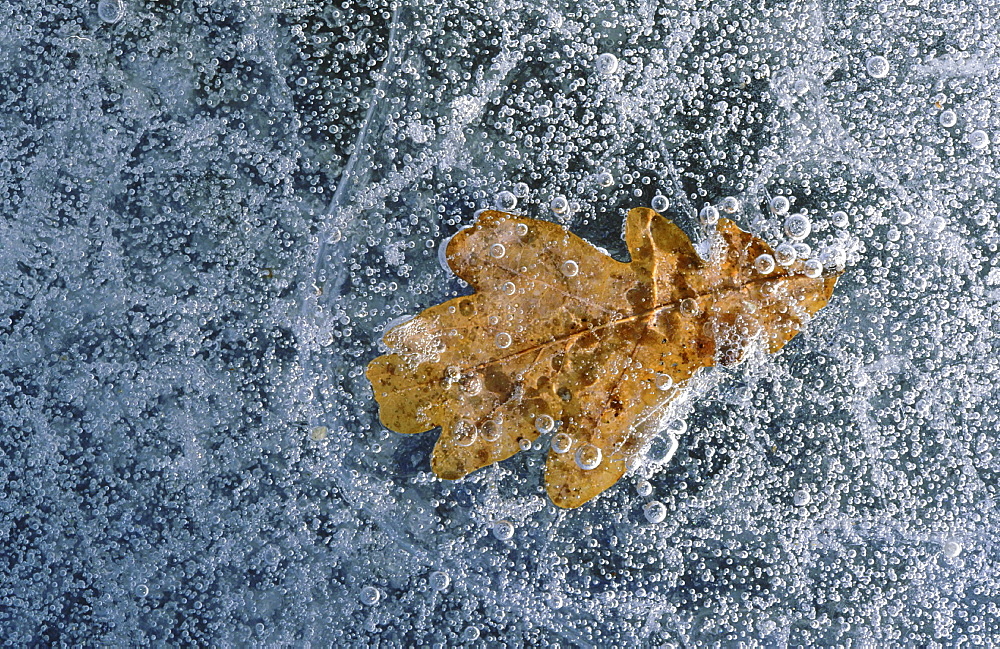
[(211, 209)]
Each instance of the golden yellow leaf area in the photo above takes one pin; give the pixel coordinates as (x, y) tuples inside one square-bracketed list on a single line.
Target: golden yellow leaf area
[(559, 338)]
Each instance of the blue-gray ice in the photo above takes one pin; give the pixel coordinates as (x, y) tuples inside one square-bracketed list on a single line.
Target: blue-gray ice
[(210, 210)]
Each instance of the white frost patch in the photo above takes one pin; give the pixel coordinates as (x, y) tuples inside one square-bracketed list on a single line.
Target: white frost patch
[(394, 255), (416, 342), (419, 133), (955, 66)]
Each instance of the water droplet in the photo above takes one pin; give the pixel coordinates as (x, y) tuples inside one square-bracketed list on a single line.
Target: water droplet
[(947, 118), (802, 250), (655, 512), (677, 427), (524, 444), (491, 430), (979, 139), (570, 268), (471, 384), (464, 433), (466, 307), (443, 253), (708, 216), (784, 254), (664, 382), (952, 549), (801, 498), (559, 205), (508, 288), (605, 179), (662, 448), (471, 634), (660, 203), (544, 424), (835, 256), (764, 264), (111, 11), (730, 204), (521, 229), (506, 201), (877, 67), (812, 268), (503, 530), (840, 219), (588, 457), (370, 596), (503, 340), (644, 488), (798, 226), (689, 307), (497, 251), (606, 64), (142, 590), (561, 443), (439, 580), (780, 205), (542, 111)]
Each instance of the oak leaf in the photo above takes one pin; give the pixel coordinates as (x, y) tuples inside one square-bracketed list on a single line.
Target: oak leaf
[(559, 338)]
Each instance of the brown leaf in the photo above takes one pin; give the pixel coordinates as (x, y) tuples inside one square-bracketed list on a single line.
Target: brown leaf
[(561, 337)]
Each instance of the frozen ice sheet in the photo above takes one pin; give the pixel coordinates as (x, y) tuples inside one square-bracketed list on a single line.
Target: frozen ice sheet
[(209, 211)]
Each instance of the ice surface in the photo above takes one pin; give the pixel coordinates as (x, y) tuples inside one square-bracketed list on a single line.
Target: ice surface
[(209, 210)]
